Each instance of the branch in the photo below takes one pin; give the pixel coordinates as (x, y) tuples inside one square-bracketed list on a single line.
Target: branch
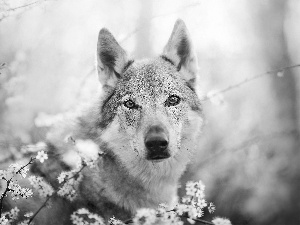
[(230, 87), (23, 6), (3, 195), (248, 143), (30, 162), (42, 206), (26, 6)]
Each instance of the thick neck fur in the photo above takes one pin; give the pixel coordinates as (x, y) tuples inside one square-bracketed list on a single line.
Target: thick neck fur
[(145, 186)]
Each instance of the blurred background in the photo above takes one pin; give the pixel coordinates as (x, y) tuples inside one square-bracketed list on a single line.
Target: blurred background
[(248, 155)]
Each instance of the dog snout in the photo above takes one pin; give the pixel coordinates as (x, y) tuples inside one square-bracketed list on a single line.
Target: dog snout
[(156, 142)]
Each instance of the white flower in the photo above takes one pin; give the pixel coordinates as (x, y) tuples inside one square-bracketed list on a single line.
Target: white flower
[(201, 203), (145, 216), (42, 156), (3, 220), (43, 188), (69, 188), (17, 191), (190, 188), (93, 219), (61, 177), (24, 171), (211, 207), (181, 208), (9, 217), (114, 221), (186, 199), (200, 185), (221, 221), (28, 214)]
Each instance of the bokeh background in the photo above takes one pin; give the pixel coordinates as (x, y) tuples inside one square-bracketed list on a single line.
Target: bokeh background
[(248, 156)]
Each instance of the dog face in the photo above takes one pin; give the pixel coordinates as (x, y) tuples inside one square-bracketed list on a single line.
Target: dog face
[(150, 111)]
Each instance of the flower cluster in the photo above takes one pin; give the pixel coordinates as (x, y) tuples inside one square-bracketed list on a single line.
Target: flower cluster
[(17, 191), (168, 216), (70, 181), (42, 186), (192, 206), (114, 221), (84, 217), (10, 176), (9, 217), (12, 171), (145, 216), (194, 202)]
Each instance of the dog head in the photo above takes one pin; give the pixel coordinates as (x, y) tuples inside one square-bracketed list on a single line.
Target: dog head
[(150, 111)]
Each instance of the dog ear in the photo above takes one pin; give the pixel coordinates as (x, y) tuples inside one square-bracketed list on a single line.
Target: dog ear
[(111, 59), (179, 50)]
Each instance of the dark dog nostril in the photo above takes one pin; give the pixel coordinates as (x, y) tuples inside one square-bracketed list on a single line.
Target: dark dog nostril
[(149, 144), (163, 144), (156, 145)]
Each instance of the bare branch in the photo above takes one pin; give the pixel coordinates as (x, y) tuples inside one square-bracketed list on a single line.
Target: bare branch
[(42, 206), (23, 6), (246, 144), (26, 6), (247, 80)]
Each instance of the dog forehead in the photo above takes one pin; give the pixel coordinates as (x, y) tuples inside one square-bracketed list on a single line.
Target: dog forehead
[(151, 77)]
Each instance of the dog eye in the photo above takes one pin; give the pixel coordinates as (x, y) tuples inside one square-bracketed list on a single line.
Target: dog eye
[(172, 100), (130, 104)]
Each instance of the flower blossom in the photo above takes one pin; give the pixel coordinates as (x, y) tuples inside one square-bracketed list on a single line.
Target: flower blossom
[(41, 156)]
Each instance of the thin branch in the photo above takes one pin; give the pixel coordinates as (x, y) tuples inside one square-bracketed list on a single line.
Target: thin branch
[(3, 195), (230, 87), (30, 162), (42, 206), (26, 6), (248, 143), (23, 6)]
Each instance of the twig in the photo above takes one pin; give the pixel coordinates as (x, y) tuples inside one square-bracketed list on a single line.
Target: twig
[(230, 87), (42, 206), (20, 7), (248, 143), (3, 195), (23, 6), (30, 162)]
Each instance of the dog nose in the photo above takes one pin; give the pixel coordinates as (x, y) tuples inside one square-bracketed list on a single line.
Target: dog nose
[(156, 142)]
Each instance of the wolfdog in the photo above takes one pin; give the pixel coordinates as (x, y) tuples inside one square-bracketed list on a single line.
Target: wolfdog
[(147, 122)]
